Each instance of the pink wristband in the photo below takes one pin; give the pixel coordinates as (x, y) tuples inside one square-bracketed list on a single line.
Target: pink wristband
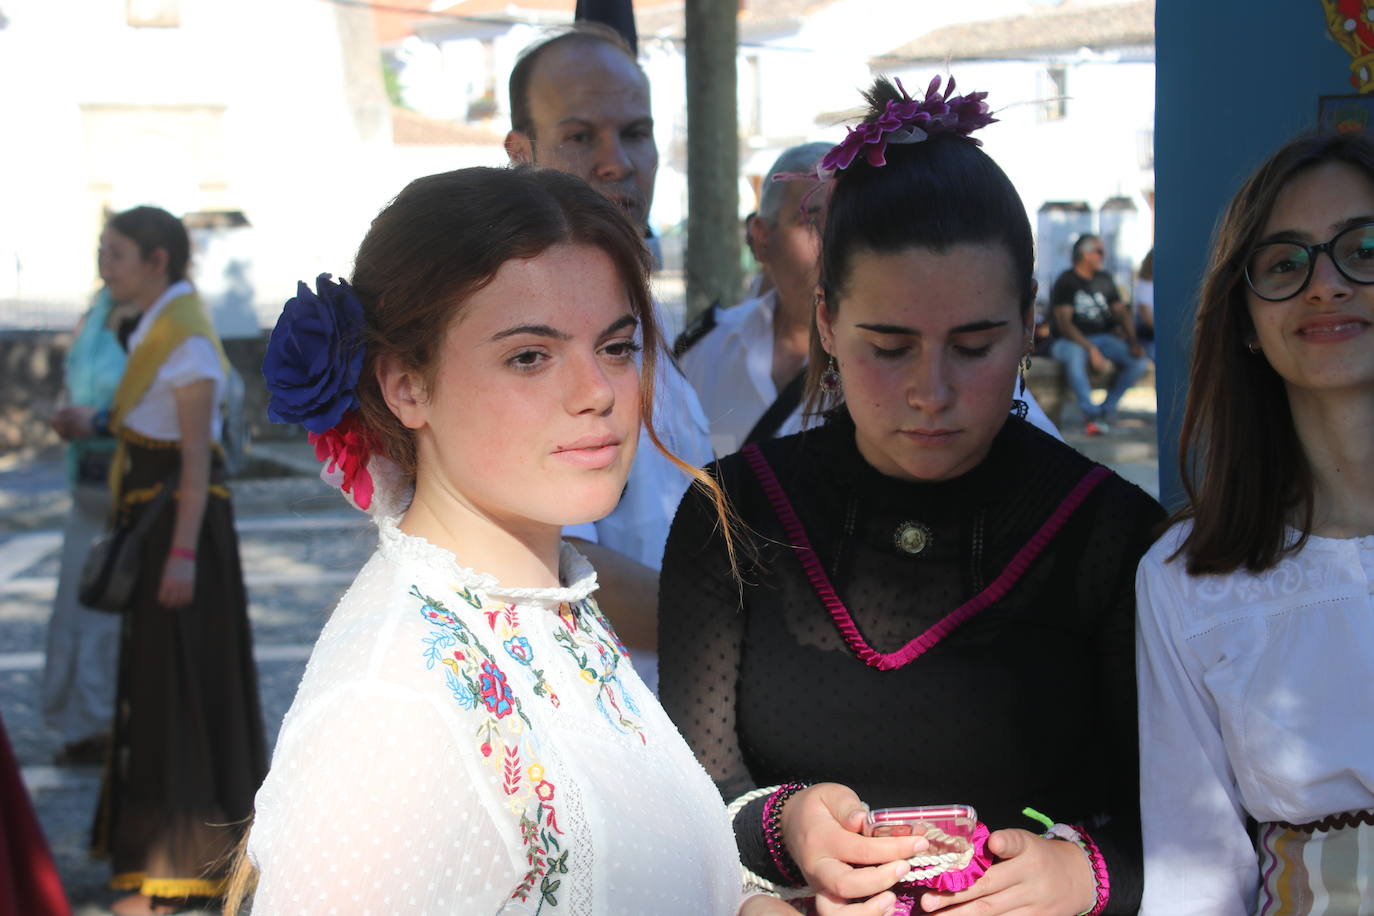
[(183, 554), (1099, 864), (772, 832)]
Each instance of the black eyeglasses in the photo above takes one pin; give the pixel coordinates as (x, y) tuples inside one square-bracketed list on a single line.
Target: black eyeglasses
[(1280, 270)]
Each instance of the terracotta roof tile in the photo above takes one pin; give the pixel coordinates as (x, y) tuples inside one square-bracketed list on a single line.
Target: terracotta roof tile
[(1047, 30)]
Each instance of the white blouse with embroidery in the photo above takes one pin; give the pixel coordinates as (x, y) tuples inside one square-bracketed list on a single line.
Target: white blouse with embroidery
[(456, 746), (1255, 699)]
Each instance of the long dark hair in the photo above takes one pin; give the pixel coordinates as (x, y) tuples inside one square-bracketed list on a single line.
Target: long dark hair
[(1242, 464), (941, 192)]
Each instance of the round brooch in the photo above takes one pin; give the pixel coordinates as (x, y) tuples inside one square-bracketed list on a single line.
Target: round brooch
[(912, 537)]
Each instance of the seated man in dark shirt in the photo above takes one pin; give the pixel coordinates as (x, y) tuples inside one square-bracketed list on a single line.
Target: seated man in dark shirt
[(1092, 326)]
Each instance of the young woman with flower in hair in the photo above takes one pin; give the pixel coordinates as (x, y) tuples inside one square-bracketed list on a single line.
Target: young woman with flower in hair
[(188, 750), (938, 607), (1256, 645), (469, 736)]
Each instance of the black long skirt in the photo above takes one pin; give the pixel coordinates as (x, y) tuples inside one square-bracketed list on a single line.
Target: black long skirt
[(188, 749)]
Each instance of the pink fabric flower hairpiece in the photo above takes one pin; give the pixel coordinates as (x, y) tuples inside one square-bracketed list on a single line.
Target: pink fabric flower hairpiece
[(909, 121), (346, 448)]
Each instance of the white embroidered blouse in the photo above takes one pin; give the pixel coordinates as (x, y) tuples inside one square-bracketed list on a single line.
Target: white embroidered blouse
[(457, 746), (1255, 699)]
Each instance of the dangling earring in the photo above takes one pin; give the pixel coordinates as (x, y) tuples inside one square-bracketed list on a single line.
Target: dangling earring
[(1019, 407), (830, 378)]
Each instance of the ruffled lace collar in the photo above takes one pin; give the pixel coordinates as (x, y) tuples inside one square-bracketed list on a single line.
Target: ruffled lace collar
[(574, 569)]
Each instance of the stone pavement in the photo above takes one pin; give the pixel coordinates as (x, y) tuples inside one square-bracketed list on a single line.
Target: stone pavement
[(301, 547)]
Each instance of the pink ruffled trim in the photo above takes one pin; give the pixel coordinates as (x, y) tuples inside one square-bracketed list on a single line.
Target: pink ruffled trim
[(951, 881), (1099, 864), (820, 582)]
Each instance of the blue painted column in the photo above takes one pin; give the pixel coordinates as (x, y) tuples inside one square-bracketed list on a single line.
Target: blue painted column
[(1233, 82)]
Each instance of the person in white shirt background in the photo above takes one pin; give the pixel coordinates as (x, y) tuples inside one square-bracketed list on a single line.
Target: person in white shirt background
[(746, 359), (580, 104), (1256, 609)]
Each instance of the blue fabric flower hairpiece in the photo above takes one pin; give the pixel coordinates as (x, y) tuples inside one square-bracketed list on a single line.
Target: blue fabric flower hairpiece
[(314, 356)]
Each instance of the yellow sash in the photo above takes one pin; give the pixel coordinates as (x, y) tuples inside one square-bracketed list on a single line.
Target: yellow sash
[(181, 318)]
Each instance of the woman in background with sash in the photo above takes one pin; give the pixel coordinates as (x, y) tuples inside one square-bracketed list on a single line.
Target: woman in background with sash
[(188, 745)]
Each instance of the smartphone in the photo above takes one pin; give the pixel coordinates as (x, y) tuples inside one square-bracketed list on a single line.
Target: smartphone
[(949, 828)]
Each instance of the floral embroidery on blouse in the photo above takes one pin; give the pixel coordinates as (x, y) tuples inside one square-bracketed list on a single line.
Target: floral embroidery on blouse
[(507, 744), (598, 653)]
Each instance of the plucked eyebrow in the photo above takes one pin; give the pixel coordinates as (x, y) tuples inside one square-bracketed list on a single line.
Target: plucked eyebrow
[(971, 328), (544, 330), (1294, 235)]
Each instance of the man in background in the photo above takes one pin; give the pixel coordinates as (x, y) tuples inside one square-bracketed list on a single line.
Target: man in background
[(580, 104), (747, 363), (1094, 328)]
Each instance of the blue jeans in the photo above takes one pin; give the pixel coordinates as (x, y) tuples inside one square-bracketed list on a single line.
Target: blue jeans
[(1075, 361)]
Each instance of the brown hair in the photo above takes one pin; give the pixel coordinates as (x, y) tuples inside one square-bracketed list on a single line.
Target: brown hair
[(151, 228), (1241, 462), (445, 237), (584, 32)]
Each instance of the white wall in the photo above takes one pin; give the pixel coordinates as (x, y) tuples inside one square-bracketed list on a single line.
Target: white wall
[(1090, 155), (274, 136), (820, 67)]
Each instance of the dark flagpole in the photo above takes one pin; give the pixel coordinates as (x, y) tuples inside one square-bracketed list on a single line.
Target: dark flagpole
[(618, 14)]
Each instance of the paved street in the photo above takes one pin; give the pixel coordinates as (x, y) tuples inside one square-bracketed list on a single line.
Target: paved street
[(301, 547)]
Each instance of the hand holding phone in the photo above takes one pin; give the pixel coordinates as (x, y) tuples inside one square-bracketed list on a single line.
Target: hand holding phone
[(948, 828)]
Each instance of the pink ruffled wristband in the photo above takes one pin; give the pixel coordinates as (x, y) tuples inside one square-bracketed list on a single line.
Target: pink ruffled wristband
[(1099, 864)]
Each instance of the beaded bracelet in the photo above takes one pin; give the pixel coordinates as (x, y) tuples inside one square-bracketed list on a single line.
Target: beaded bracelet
[(772, 831), (1102, 885), (751, 881)]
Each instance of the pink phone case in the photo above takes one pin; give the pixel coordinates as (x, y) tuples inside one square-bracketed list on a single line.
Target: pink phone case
[(957, 822)]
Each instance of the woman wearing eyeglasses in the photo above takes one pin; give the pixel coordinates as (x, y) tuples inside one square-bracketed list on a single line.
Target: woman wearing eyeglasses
[(1256, 609)]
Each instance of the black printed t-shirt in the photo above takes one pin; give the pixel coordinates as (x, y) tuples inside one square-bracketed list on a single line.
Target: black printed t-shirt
[(1091, 300)]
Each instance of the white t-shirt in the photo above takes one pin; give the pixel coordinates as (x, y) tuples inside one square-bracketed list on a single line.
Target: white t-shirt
[(1255, 699), (457, 746), (195, 358)]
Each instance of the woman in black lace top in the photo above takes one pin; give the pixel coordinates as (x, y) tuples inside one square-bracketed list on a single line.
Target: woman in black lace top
[(977, 647)]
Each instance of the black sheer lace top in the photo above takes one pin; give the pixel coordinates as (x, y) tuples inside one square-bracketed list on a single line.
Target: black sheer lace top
[(1029, 703)]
